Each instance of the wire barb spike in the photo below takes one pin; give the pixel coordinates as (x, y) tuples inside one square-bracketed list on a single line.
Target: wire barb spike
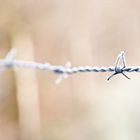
[(118, 69)]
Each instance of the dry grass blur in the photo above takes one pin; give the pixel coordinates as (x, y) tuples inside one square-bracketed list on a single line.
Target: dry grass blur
[(84, 106)]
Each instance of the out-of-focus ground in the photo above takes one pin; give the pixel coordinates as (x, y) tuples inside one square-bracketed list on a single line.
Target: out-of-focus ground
[(84, 106)]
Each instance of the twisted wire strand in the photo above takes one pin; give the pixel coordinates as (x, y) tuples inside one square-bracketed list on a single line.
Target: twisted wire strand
[(54, 68), (61, 69), (9, 62)]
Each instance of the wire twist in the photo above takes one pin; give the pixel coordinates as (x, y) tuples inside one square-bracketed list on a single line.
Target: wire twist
[(64, 71)]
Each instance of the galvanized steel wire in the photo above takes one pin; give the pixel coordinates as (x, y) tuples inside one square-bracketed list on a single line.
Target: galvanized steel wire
[(64, 71)]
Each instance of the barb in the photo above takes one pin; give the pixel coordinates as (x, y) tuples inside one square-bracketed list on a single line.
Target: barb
[(64, 75), (64, 71), (119, 69), (8, 59)]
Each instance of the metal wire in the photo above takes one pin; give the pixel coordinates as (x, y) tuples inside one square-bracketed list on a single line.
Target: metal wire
[(64, 71)]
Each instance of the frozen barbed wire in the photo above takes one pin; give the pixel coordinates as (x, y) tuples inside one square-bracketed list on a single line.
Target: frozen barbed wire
[(118, 69), (64, 75), (64, 71), (8, 59)]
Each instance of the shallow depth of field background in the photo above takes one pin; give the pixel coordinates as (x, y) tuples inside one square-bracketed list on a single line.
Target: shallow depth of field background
[(84, 106)]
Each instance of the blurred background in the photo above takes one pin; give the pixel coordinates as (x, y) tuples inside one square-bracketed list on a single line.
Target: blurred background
[(84, 106)]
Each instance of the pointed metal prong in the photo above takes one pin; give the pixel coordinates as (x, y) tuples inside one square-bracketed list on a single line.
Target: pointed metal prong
[(111, 76), (119, 58), (123, 59), (126, 75)]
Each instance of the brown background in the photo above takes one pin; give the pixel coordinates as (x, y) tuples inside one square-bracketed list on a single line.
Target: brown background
[(83, 106)]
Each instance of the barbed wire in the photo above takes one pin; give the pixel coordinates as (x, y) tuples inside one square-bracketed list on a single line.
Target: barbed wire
[(63, 71)]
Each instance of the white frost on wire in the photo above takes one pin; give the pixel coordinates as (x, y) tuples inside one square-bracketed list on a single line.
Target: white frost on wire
[(64, 71)]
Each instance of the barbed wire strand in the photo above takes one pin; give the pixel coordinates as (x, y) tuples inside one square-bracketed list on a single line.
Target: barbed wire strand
[(64, 71)]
